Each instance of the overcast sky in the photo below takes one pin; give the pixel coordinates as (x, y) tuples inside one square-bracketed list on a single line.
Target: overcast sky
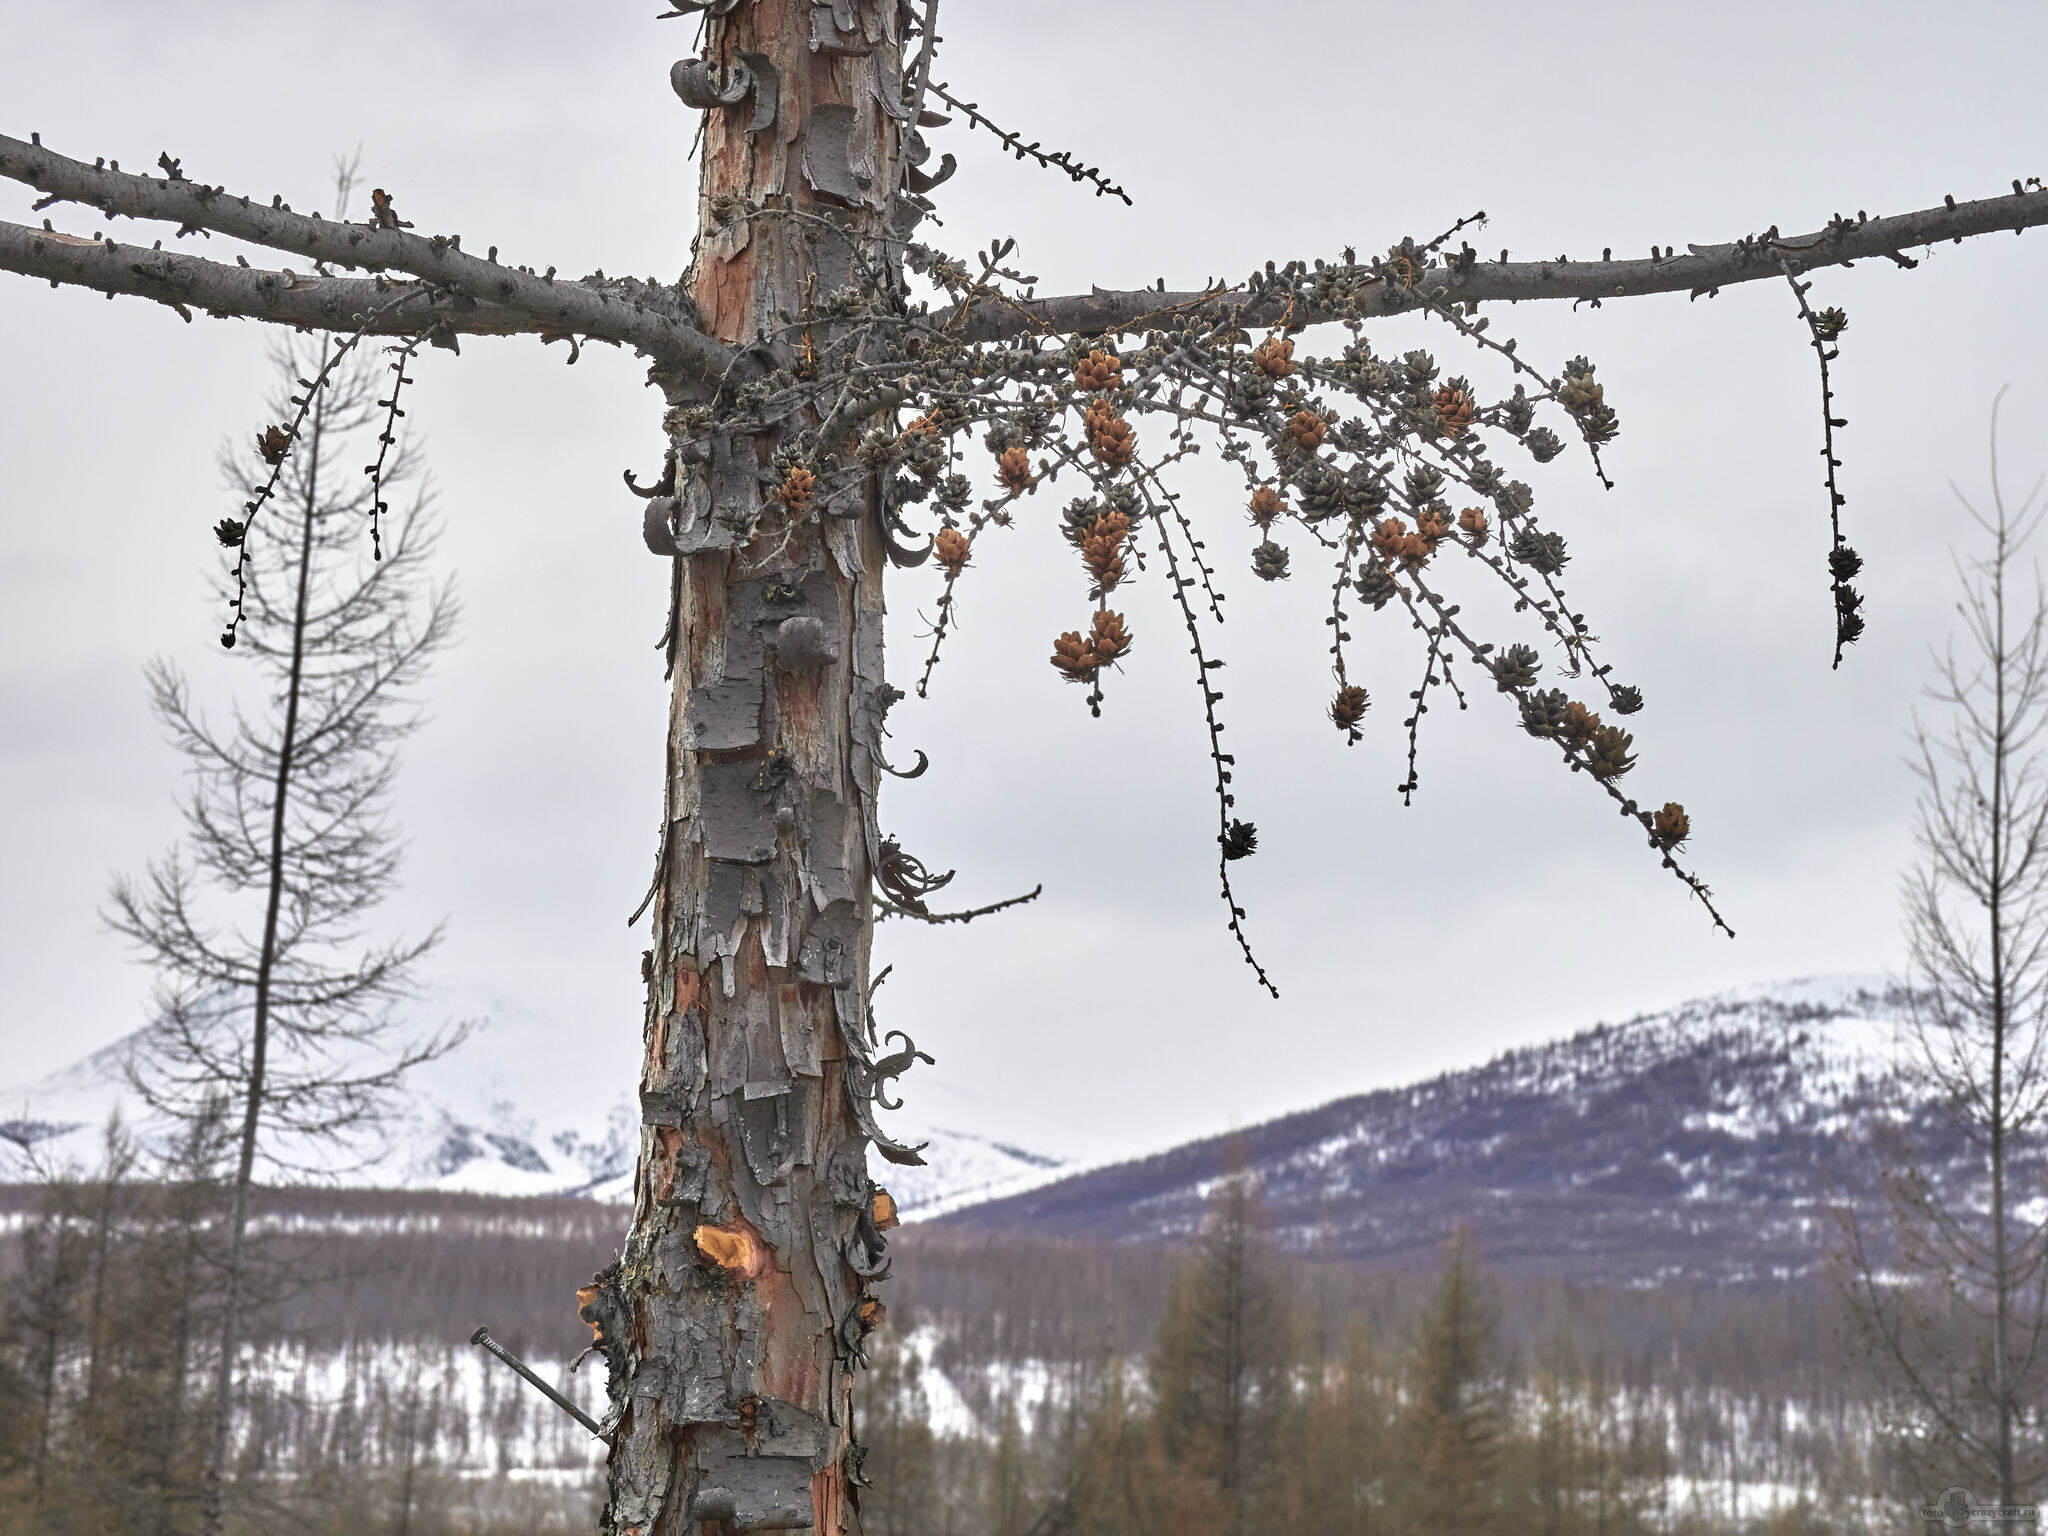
[(1508, 905)]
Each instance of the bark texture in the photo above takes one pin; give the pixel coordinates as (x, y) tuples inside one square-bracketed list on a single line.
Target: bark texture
[(734, 1321)]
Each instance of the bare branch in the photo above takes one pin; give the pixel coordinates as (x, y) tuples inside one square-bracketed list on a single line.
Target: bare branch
[(187, 283), (1701, 271), (637, 314), (884, 908)]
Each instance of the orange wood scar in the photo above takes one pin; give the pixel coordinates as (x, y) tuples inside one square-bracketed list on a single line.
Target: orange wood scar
[(737, 1248)]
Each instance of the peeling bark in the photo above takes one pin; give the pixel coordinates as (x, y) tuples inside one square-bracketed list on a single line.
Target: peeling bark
[(733, 1323)]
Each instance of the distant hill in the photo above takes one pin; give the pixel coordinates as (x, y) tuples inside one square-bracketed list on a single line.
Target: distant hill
[(450, 1140), (1693, 1144), (1696, 1144)]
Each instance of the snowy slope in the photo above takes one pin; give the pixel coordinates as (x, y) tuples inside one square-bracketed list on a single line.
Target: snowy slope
[(453, 1135), (1702, 1141)]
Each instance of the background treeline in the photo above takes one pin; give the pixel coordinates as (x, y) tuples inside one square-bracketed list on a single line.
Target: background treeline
[(1021, 1384), (1246, 1389), (359, 1405)]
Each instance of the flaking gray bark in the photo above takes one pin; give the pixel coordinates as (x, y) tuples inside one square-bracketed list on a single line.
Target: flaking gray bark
[(735, 1320)]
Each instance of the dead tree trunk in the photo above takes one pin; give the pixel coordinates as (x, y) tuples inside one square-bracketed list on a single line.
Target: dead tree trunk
[(735, 1320)]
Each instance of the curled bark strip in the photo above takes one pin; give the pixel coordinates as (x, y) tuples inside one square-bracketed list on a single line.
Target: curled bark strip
[(904, 878), (657, 527), (696, 82), (904, 556), (767, 89), (864, 1112), (923, 763), (665, 486), (920, 183), (889, 1068)]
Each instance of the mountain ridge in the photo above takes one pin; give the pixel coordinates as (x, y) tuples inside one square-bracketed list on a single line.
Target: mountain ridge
[(1703, 1140)]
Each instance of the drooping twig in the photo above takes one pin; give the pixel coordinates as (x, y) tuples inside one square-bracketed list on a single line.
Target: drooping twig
[(1222, 761), (1843, 562), (287, 439), (1059, 160), (385, 439)]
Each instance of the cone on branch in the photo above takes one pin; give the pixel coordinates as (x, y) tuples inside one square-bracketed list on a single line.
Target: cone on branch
[(950, 547), (1274, 357), (1473, 521), (1455, 407), (1374, 586), (1543, 552), (1349, 707), (1433, 525), (1074, 658), (1266, 505), (1579, 725), (795, 490), (1515, 667), (1543, 713), (1099, 370), (1270, 561), (1111, 642), (1079, 660), (1396, 543), (1670, 827), (1306, 429), (1586, 401), (272, 445), (1110, 438), (1102, 548), (1608, 756), (1013, 467)]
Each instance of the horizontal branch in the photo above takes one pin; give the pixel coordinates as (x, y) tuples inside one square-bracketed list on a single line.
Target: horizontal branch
[(641, 315), (187, 283), (1701, 270)]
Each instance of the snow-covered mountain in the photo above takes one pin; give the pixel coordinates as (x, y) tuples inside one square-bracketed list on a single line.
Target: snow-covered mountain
[(1701, 1142), (451, 1136)]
